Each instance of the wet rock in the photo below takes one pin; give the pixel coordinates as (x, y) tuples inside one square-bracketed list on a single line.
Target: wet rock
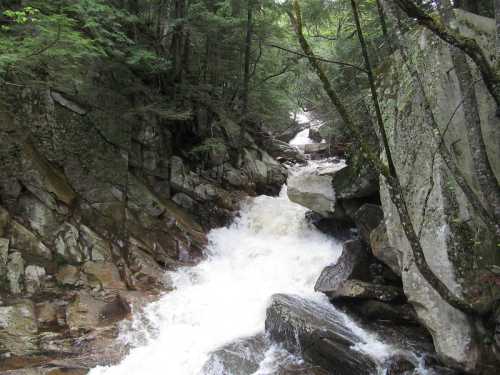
[(302, 369), (68, 275), (103, 275), (97, 248), (319, 333), (372, 310), (46, 313), (340, 229), (41, 219), (86, 312), (283, 152), (239, 358), (355, 182), (146, 271), (276, 177), (234, 177), (115, 310), (316, 148), (143, 198), (67, 244), (383, 251), (362, 290), (255, 168), (4, 255), (315, 135), (313, 192), (353, 263), (181, 178), (184, 200), (44, 181), (4, 220), (34, 277), (399, 365), (18, 328), (15, 273), (367, 218), (28, 243)]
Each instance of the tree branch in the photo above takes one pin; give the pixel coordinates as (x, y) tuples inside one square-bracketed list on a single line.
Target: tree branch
[(317, 58), (468, 45)]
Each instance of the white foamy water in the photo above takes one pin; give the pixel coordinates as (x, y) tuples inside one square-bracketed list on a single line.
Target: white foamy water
[(269, 249), (302, 138)]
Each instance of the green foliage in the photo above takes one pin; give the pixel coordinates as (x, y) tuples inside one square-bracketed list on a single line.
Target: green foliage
[(54, 41)]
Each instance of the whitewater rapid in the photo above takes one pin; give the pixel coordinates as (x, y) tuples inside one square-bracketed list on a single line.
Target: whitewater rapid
[(269, 249)]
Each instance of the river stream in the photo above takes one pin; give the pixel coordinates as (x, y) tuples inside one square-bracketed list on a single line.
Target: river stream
[(270, 248)]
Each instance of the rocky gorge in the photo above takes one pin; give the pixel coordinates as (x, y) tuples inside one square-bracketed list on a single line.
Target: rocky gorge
[(129, 235)]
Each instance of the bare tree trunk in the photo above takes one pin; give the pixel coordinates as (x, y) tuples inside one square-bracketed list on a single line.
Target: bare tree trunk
[(177, 38), (497, 23), (388, 172), (381, 16), (246, 77)]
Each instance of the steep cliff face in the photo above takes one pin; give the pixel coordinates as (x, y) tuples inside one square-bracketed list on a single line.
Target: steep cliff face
[(457, 244), (98, 197)]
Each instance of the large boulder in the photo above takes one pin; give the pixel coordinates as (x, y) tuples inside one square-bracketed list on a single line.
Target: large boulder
[(316, 148), (353, 263), (375, 310), (319, 333), (283, 152), (458, 247), (18, 328), (383, 251), (241, 357), (313, 192), (355, 181), (367, 218)]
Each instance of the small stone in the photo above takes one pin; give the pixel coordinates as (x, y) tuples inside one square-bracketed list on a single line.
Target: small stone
[(87, 312), (46, 313), (33, 278), (68, 275), (67, 244), (4, 254), (98, 248), (363, 290), (104, 274), (18, 328), (28, 243), (15, 272)]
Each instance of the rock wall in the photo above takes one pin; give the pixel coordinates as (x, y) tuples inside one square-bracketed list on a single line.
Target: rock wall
[(98, 197), (457, 245)]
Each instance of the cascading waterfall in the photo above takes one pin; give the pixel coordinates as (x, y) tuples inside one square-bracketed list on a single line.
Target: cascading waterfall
[(270, 248)]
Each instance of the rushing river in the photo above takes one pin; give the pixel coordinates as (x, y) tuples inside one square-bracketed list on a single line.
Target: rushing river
[(270, 248)]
